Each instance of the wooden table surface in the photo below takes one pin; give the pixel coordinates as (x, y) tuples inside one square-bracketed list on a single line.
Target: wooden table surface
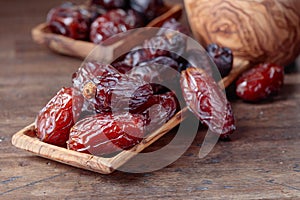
[(261, 162)]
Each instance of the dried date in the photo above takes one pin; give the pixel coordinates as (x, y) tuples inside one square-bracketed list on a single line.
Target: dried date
[(260, 82), (207, 101), (107, 90), (114, 22), (55, 120), (105, 134), (71, 20)]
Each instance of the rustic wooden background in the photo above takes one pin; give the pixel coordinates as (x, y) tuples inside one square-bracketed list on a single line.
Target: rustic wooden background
[(261, 162)]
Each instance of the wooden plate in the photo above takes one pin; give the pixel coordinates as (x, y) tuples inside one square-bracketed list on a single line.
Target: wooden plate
[(41, 34), (25, 139)]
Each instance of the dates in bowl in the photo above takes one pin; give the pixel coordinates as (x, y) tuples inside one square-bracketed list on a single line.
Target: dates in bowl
[(70, 27), (112, 107), (88, 119)]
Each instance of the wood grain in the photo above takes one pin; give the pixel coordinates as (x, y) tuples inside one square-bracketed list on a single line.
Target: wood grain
[(256, 30)]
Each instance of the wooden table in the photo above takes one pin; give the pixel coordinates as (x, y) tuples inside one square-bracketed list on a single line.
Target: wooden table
[(261, 162)]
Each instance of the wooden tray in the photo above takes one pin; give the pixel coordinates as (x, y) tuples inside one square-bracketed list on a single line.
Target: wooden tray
[(25, 139), (41, 34)]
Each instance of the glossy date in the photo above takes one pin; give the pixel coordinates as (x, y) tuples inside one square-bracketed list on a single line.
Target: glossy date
[(55, 120), (260, 82), (104, 133), (207, 101)]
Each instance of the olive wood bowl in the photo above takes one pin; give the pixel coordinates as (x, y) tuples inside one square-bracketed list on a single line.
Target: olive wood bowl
[(257, 31)]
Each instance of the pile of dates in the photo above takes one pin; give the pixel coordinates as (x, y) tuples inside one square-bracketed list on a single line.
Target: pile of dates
[(102, 18), (112, 107)]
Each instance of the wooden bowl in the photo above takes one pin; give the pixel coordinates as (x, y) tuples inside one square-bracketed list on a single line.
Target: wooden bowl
[(256, 30), (26, 139), (42, 35)]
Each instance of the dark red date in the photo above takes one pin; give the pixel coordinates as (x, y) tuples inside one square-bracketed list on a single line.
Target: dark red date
[(207, 101), (159, 70), (171, 44), (55, 120), (159, 109), (105, 134), (114, 22), (71, 20), (260, 82), (107, 90)]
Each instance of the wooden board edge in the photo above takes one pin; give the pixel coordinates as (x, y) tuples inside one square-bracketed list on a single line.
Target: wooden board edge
[(124, 156), (59, 43), (59, 154), (86, 161)]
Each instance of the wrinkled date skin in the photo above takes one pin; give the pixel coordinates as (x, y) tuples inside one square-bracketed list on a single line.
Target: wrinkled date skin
[(71, 21), (170, 44), (116, 91), (169, 103), (107, 90), (260, 82), (159, 70), (165, 44), (223, 58), (162, 107), (55, 120), (90, 71), (105, 134), (207, 101), (114, 22)]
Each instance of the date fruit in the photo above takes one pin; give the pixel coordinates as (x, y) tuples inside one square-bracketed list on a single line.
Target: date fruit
[(170, 44), (105, 134), (55, 120), (107, 90), (90, 71), (223, 58), (260, 82), (70, 20), (207, 101), (158, 110), (159, 70), (137, 55), (114, 22)]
